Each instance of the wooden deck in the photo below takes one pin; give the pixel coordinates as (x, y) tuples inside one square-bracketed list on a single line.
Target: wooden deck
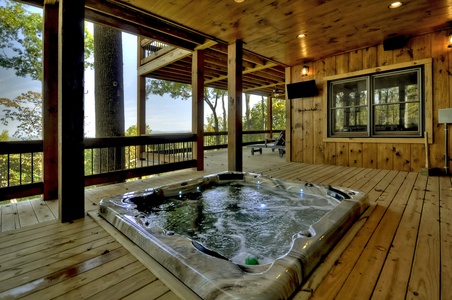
[(401, 248)]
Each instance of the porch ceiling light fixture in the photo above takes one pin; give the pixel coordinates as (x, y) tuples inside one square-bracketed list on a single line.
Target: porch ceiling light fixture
[(239, 1), (396, 4), (301, 35), (449, 45), (278, 92), (305, 70)]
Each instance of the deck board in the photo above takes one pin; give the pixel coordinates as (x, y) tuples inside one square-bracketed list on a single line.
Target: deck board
[(400, 248), (425, 278), (446, 236), (362, 279), (395, 275)]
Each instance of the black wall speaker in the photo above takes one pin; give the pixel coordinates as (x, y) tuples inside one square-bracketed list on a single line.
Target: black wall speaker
[(302, 89), (396, 42)]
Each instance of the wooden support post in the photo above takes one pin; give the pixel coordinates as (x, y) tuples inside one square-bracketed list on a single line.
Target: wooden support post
[(141, 95), (198, 107), (141, 100), (235, 130), (289, 118), (270, 115), (50, 101), (70, 110)]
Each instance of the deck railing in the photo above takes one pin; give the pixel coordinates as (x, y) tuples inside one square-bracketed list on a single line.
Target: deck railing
[(219, 140), (117, 159), (20, 169), (109, 160), (153, 47)]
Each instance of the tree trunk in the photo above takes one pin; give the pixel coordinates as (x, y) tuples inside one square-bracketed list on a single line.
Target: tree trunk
[(225, 115), (109, 93), (247, 112)]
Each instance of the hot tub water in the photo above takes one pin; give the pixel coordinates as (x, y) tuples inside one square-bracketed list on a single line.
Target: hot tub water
[(237, 235), (240, 220)]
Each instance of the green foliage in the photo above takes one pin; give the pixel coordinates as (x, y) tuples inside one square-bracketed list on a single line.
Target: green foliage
[(183, 91), (176, 90), (4, 136), (259, 115), (89, 49), (133, 130), (20, 35), (27, 109), (21, 40), (18, 169), (21, 44)]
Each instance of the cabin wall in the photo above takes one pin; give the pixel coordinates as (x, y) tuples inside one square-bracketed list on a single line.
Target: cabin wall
[(308, 115)]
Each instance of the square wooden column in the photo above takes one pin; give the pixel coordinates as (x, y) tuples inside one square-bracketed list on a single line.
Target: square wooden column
[(235, 62), (270, 115), (289, 118), (50, 101), (141, 95), (198, 107), (71, 190)]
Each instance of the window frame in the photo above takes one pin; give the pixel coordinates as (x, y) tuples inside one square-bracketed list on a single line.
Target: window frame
[(426, 102)]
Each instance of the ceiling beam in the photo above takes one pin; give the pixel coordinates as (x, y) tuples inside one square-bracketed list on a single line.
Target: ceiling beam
[(164, 60), (141, 18), (246, 71)]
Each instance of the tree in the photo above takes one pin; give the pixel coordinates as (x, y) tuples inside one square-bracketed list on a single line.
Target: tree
[(21, 34), (27, 109), (109, 92), (21, 40), (109, 89), (183, 91), (259, 115), (247, 112), (21, 44), (133, 130), (4, 136)]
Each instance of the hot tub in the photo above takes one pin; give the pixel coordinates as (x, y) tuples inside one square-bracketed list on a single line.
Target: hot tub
[(237, 235)]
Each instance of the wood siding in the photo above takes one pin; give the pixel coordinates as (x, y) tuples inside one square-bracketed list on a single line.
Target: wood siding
[(309, 115)]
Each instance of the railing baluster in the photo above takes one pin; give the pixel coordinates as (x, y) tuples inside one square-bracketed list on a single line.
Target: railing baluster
[(20, 169), (32, 165), (174, 148), (9, 170)]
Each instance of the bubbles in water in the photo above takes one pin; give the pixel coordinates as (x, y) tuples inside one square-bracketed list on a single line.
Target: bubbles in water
[(239, 220)]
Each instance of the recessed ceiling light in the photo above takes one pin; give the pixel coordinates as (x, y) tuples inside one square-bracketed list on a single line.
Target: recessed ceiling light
[(239, 1), (395, 4), (301, 35)]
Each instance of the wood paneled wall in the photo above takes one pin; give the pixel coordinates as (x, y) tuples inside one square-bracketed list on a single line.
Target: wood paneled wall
[(308, 115)]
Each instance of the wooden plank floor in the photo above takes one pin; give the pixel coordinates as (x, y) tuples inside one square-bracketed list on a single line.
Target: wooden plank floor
[(401, 248)]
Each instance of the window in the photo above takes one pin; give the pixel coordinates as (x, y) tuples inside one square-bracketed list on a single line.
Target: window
[(385, 104)]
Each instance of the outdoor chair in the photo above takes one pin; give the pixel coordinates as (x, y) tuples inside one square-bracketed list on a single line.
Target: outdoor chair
[(278, 143)]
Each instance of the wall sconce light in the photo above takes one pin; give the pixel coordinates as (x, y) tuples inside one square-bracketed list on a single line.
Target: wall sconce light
[(449, 45), (305, 70)]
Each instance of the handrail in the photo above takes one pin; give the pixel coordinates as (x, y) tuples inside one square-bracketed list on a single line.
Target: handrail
[(16, 147), (146, 155), (138, 140)]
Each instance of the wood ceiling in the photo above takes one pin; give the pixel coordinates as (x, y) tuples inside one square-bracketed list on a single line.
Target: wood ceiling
[(268, 29)]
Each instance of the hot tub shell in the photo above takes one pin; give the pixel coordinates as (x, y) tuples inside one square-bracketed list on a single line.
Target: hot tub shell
[(211, 277)]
